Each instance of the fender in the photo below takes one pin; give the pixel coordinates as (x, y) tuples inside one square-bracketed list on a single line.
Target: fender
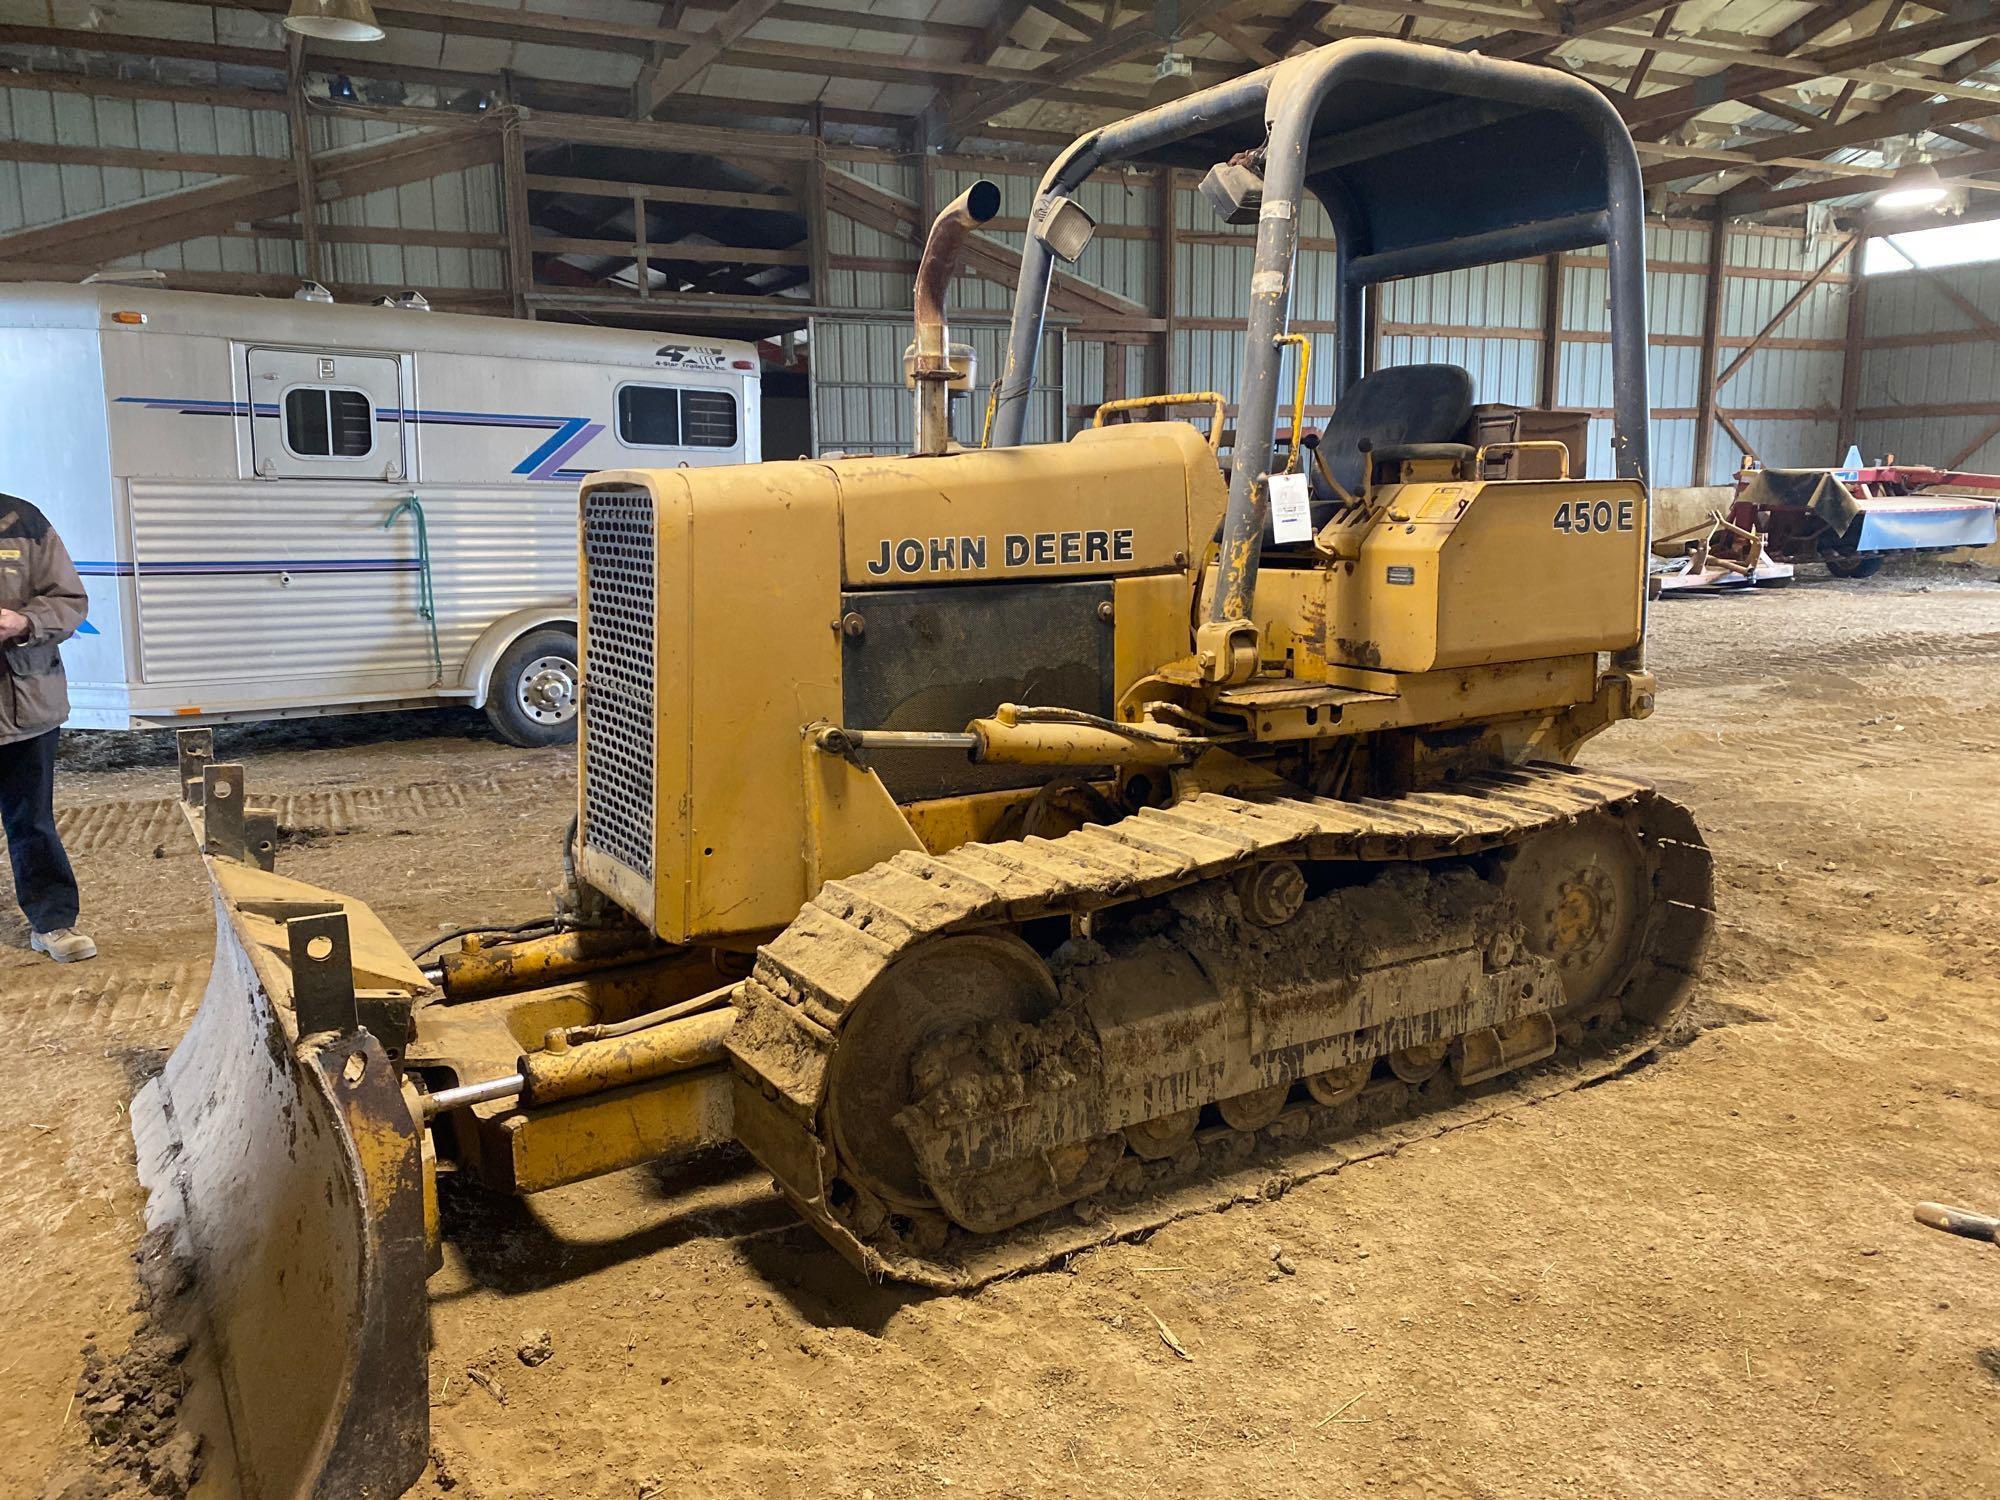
[(502, 633)]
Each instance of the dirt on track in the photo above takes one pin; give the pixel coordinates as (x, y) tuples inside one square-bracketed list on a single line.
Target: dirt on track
[(1698, 1278)]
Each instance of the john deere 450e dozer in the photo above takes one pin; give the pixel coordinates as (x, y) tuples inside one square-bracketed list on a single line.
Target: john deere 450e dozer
[(1014, 847)]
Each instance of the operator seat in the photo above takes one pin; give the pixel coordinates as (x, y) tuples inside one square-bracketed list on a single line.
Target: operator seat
[(1395, 407)]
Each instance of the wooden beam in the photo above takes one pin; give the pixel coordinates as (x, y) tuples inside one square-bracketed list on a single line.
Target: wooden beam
[(303, 174), (1644, 65), (101, 86), (137, 158), (1713, 291), (729, 27), (131, 228), (516, 218), (1166, 190), (1986, 435), (1743, 444), (1576, 20), (819, 276), (1963, 167), (723, 255), (1657, 114), (1550, 382), (1853, 355), (1841, 253), (654, 192), (878, 208), (1118, 45)]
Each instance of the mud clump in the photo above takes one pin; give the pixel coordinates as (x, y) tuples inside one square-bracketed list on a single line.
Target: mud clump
[(130, 1402)]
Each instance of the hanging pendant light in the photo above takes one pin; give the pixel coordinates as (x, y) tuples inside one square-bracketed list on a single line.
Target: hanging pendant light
[(1923, 188), (334, 20)]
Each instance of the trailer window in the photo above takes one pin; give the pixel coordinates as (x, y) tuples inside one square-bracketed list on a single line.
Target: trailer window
[(665, 416), (649, 416), (708, 419), (322, 422)]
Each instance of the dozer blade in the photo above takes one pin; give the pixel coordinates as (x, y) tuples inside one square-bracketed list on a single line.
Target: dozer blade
[(284, 1162)]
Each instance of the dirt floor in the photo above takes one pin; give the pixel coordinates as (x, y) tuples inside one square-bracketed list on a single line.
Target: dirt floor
[(1696, 1279)]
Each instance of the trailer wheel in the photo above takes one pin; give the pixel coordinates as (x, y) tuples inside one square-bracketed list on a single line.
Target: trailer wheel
[(531, 700), (1855, 567)]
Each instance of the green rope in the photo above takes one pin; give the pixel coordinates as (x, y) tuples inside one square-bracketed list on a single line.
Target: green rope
[(426, 594)]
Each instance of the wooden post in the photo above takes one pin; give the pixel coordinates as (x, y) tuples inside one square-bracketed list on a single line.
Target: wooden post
[(819, 274), (641, 245), (302, 159), (1166, 211), (1711, 321), (514, 207), (1851, 358), (1552, 331)]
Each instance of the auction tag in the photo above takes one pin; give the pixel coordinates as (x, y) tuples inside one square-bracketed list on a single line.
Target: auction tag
[(1291, 508)]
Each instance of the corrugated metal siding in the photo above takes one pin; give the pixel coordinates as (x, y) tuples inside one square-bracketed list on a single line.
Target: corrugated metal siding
[(465, 201), (1955, 373), (860, 404), (33, 194), (1782, 378)]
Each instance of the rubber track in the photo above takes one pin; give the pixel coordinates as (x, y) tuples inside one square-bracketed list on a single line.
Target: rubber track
[(819, 967)]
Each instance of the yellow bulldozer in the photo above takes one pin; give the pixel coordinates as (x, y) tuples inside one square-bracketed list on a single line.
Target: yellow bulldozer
[(1010, 847)]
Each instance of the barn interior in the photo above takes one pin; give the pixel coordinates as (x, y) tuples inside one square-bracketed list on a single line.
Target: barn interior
[(1692, 1273)]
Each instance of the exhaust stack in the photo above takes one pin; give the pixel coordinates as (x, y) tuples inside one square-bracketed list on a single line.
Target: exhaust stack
[(932, 369)]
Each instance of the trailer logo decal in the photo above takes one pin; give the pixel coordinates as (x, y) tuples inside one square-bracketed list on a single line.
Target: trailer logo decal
[(546, 462), (689, 357)]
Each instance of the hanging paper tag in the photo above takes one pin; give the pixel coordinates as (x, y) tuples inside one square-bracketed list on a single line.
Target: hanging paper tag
[(1291, 508)]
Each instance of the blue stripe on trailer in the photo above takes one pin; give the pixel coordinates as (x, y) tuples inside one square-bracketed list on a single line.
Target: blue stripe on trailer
[(226, 566)]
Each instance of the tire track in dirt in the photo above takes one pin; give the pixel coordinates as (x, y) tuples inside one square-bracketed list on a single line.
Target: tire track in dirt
[(145, 823), (1891, 649), (147, 1003)]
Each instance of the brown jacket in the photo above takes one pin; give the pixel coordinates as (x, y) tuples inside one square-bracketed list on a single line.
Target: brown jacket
[(37, 579)]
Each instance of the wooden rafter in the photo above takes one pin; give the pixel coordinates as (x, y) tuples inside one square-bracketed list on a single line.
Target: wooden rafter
[(1658, 114), (733, 24), (1966, 167), (214, 207), (862, 201), (1120, 44)]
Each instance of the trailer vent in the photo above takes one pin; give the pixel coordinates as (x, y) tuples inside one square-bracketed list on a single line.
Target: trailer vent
[(618, 707)]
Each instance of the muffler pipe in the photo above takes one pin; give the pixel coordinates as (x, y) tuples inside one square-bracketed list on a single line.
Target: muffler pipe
[(931, 368)]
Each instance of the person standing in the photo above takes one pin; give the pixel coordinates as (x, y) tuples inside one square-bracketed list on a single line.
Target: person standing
[(41, 603)]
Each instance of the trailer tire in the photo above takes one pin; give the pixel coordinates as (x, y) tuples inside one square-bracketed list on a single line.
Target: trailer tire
[(532, 699), (1855, 567)]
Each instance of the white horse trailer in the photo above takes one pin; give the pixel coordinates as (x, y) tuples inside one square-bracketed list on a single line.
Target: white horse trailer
[(283, 508)]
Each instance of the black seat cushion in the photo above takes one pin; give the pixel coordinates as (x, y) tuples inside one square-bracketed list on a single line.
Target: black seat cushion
[(1398, 406)]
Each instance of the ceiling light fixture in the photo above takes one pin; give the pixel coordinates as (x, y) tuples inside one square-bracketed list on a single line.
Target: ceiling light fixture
[(1922, 188), (334, 20)]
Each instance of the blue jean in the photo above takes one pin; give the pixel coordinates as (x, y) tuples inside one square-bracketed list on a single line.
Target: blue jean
[(44, 884)]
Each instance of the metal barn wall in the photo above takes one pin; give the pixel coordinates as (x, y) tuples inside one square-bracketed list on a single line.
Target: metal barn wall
[(467, 201), (1930, 362), (1779, 376), (34, 194), (1676, 293)]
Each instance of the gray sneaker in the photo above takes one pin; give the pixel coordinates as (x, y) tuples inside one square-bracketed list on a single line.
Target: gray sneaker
[(65, 945)]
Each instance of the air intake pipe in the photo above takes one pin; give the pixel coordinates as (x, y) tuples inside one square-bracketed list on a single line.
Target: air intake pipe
[(932, 370)]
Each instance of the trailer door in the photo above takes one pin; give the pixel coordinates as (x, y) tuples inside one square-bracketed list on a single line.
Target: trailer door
[(326, 414)]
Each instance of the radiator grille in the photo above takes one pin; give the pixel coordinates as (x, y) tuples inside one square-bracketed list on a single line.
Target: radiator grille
[(618, 707)]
